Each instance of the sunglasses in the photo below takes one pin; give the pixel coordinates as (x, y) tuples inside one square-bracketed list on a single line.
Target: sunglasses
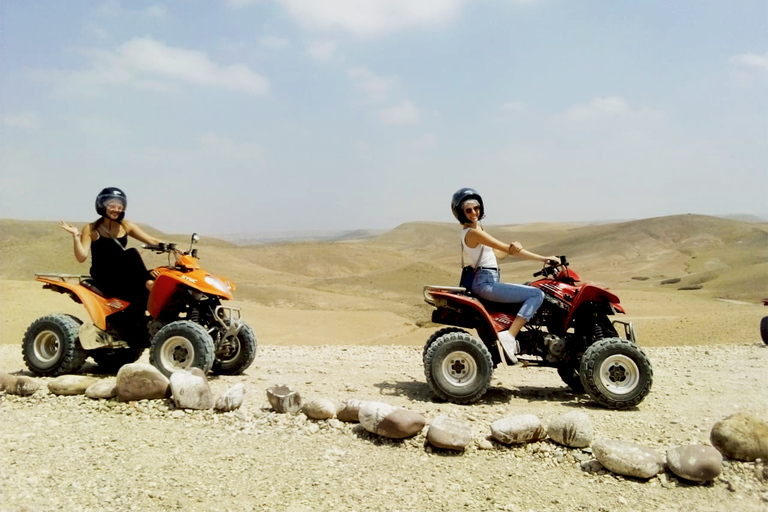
[(472, 209)]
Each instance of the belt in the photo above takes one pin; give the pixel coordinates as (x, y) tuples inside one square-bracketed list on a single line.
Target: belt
[(488, 268)]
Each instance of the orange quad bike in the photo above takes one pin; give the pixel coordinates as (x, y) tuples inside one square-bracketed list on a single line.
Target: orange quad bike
[(185, 325)]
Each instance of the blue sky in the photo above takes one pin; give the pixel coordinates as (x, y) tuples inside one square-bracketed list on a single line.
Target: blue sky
[(239, 116)]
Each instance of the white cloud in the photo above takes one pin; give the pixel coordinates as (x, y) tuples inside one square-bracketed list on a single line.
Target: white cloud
[(606, 108), (404, 114), (375, 87), (113, 9), (751, 60), (226, 148), (109, 8), (155, 11), (149, 64), (513, 106), (23, 120), (97, 32), (240, 3), (426, 141), (321, 50), (273, 42), (372, 17)]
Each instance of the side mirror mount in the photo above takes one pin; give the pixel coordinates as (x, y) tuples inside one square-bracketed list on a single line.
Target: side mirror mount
[(193, 241)]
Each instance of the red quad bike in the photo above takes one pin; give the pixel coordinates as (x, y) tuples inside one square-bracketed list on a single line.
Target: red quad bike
[(186, 324), (571, 331)]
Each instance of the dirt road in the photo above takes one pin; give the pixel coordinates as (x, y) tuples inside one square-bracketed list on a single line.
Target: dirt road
[(73, 453)]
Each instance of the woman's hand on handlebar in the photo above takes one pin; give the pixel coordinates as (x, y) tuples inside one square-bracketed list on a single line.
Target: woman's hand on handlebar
[(552, 261), (160, 247)]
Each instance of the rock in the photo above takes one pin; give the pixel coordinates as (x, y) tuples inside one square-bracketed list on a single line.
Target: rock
[(449, 433), (319, 409), (741, 437), (21, 386), (485, 444), (104, 389), (71, 384), (284, 398), (139, 381), (591, 466), (628, 459), (572, 429), (388, 421), (698, 463), (349, 410), (231, 399), (6, 381), (190, 390), (518, 429)]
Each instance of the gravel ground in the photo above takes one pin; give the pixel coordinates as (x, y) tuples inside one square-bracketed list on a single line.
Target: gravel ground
[(74, 453)]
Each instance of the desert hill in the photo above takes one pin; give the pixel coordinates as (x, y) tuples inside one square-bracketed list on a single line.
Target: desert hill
[(726, 258)]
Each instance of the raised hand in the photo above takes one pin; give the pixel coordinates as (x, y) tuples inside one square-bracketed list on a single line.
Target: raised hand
[(69, 228)]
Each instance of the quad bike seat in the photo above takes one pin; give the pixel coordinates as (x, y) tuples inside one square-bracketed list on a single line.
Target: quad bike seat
[(88, 283), (501, 307)]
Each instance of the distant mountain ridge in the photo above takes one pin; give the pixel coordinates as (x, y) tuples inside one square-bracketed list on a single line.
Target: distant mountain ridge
[(714, 256), (299, 236)]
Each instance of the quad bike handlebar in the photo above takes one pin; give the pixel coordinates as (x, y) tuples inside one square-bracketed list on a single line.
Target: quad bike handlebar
[(551, 268), (161, 247), (170, 247)]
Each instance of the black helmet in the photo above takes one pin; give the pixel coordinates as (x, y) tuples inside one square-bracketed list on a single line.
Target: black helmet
[(458, 199), (110, 193)]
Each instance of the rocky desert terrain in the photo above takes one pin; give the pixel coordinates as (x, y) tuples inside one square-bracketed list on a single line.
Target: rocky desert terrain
[(342, 320)]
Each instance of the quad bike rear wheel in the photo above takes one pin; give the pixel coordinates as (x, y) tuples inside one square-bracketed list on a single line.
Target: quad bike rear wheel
[(111, 360), (51, 346), (764, 329), (458, 367), (237, 355), (181, 345), (437, 334), (615, 373)]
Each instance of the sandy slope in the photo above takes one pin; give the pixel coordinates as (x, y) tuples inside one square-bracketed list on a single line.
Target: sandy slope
[(674, 318)]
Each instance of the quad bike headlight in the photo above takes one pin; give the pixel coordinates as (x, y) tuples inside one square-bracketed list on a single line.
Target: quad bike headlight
[(217, 283)]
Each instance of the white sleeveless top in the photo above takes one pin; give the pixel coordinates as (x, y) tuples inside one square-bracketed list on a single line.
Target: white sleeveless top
[(484, 253)]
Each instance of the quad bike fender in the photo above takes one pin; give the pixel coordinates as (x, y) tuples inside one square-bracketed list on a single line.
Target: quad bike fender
[(98, 307), (591, 293), (461, 302), (168, 281)]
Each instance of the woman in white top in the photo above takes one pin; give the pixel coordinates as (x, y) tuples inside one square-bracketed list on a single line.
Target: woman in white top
[(478, 247)]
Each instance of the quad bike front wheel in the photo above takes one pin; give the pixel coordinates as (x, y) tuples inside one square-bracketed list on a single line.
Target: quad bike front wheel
[(181, 345), (111, 360), (237, 354), (764, 329), (51, 346), (458, 367), (616, 373)]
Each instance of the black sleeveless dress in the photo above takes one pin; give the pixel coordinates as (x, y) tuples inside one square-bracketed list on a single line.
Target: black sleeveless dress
[(119, 272)]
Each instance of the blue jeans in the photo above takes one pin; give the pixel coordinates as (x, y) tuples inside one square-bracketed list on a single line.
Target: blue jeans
[(487, 286)]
